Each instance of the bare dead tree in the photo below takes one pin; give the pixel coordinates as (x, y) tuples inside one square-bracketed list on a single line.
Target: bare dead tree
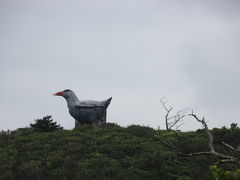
[(223, 158), (172, 120)]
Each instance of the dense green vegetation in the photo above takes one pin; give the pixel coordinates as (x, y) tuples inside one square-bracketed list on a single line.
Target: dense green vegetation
[(46, 124), (112, 152)]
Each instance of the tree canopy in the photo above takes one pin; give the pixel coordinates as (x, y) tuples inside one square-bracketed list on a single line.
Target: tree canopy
[(110, 152), (45, 124)]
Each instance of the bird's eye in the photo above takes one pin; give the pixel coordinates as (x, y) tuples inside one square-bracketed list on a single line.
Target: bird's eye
[(66, 90)]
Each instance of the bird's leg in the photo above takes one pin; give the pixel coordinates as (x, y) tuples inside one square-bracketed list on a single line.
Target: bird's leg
[(77, 123), (94, 124)]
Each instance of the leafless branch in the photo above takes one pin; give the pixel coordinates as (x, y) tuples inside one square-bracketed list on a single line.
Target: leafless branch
[(179, 125), (168, 145), (223, 158), (210, 140), (229, 146), (172, 121), (222, 161)]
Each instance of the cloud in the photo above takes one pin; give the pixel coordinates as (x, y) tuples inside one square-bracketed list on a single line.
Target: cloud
[(135, 51)]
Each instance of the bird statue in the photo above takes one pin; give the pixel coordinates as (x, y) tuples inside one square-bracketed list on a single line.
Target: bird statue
[(85, 112)]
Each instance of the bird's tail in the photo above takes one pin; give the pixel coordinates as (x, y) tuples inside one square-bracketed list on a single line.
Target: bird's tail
[(107, 102)]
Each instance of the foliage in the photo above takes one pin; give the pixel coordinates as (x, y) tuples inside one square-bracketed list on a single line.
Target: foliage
[(221, 174), (45, 124), (104, 153)]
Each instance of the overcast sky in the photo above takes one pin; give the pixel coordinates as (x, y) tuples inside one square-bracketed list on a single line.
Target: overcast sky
[(133, 50)]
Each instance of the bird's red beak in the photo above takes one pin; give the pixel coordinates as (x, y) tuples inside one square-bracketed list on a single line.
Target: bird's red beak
[(59, 93)]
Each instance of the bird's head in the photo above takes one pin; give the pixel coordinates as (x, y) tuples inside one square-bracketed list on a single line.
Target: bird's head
[(67, 94)]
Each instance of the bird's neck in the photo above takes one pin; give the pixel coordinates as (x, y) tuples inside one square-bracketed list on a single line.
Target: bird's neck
[(71, 102)]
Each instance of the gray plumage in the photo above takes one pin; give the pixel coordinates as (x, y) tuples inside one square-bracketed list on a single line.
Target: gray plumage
[(85, 112)]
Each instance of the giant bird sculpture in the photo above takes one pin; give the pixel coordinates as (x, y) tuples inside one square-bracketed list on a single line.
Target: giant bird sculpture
[(85, 112)]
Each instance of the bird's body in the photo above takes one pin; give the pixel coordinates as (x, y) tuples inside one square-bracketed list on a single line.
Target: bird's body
[(85, 112)]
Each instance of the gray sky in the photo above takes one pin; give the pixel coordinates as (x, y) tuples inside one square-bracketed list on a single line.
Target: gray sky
[(135, 51)]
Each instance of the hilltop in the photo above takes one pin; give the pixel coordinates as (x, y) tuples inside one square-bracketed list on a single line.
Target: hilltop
[(109, 152)]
